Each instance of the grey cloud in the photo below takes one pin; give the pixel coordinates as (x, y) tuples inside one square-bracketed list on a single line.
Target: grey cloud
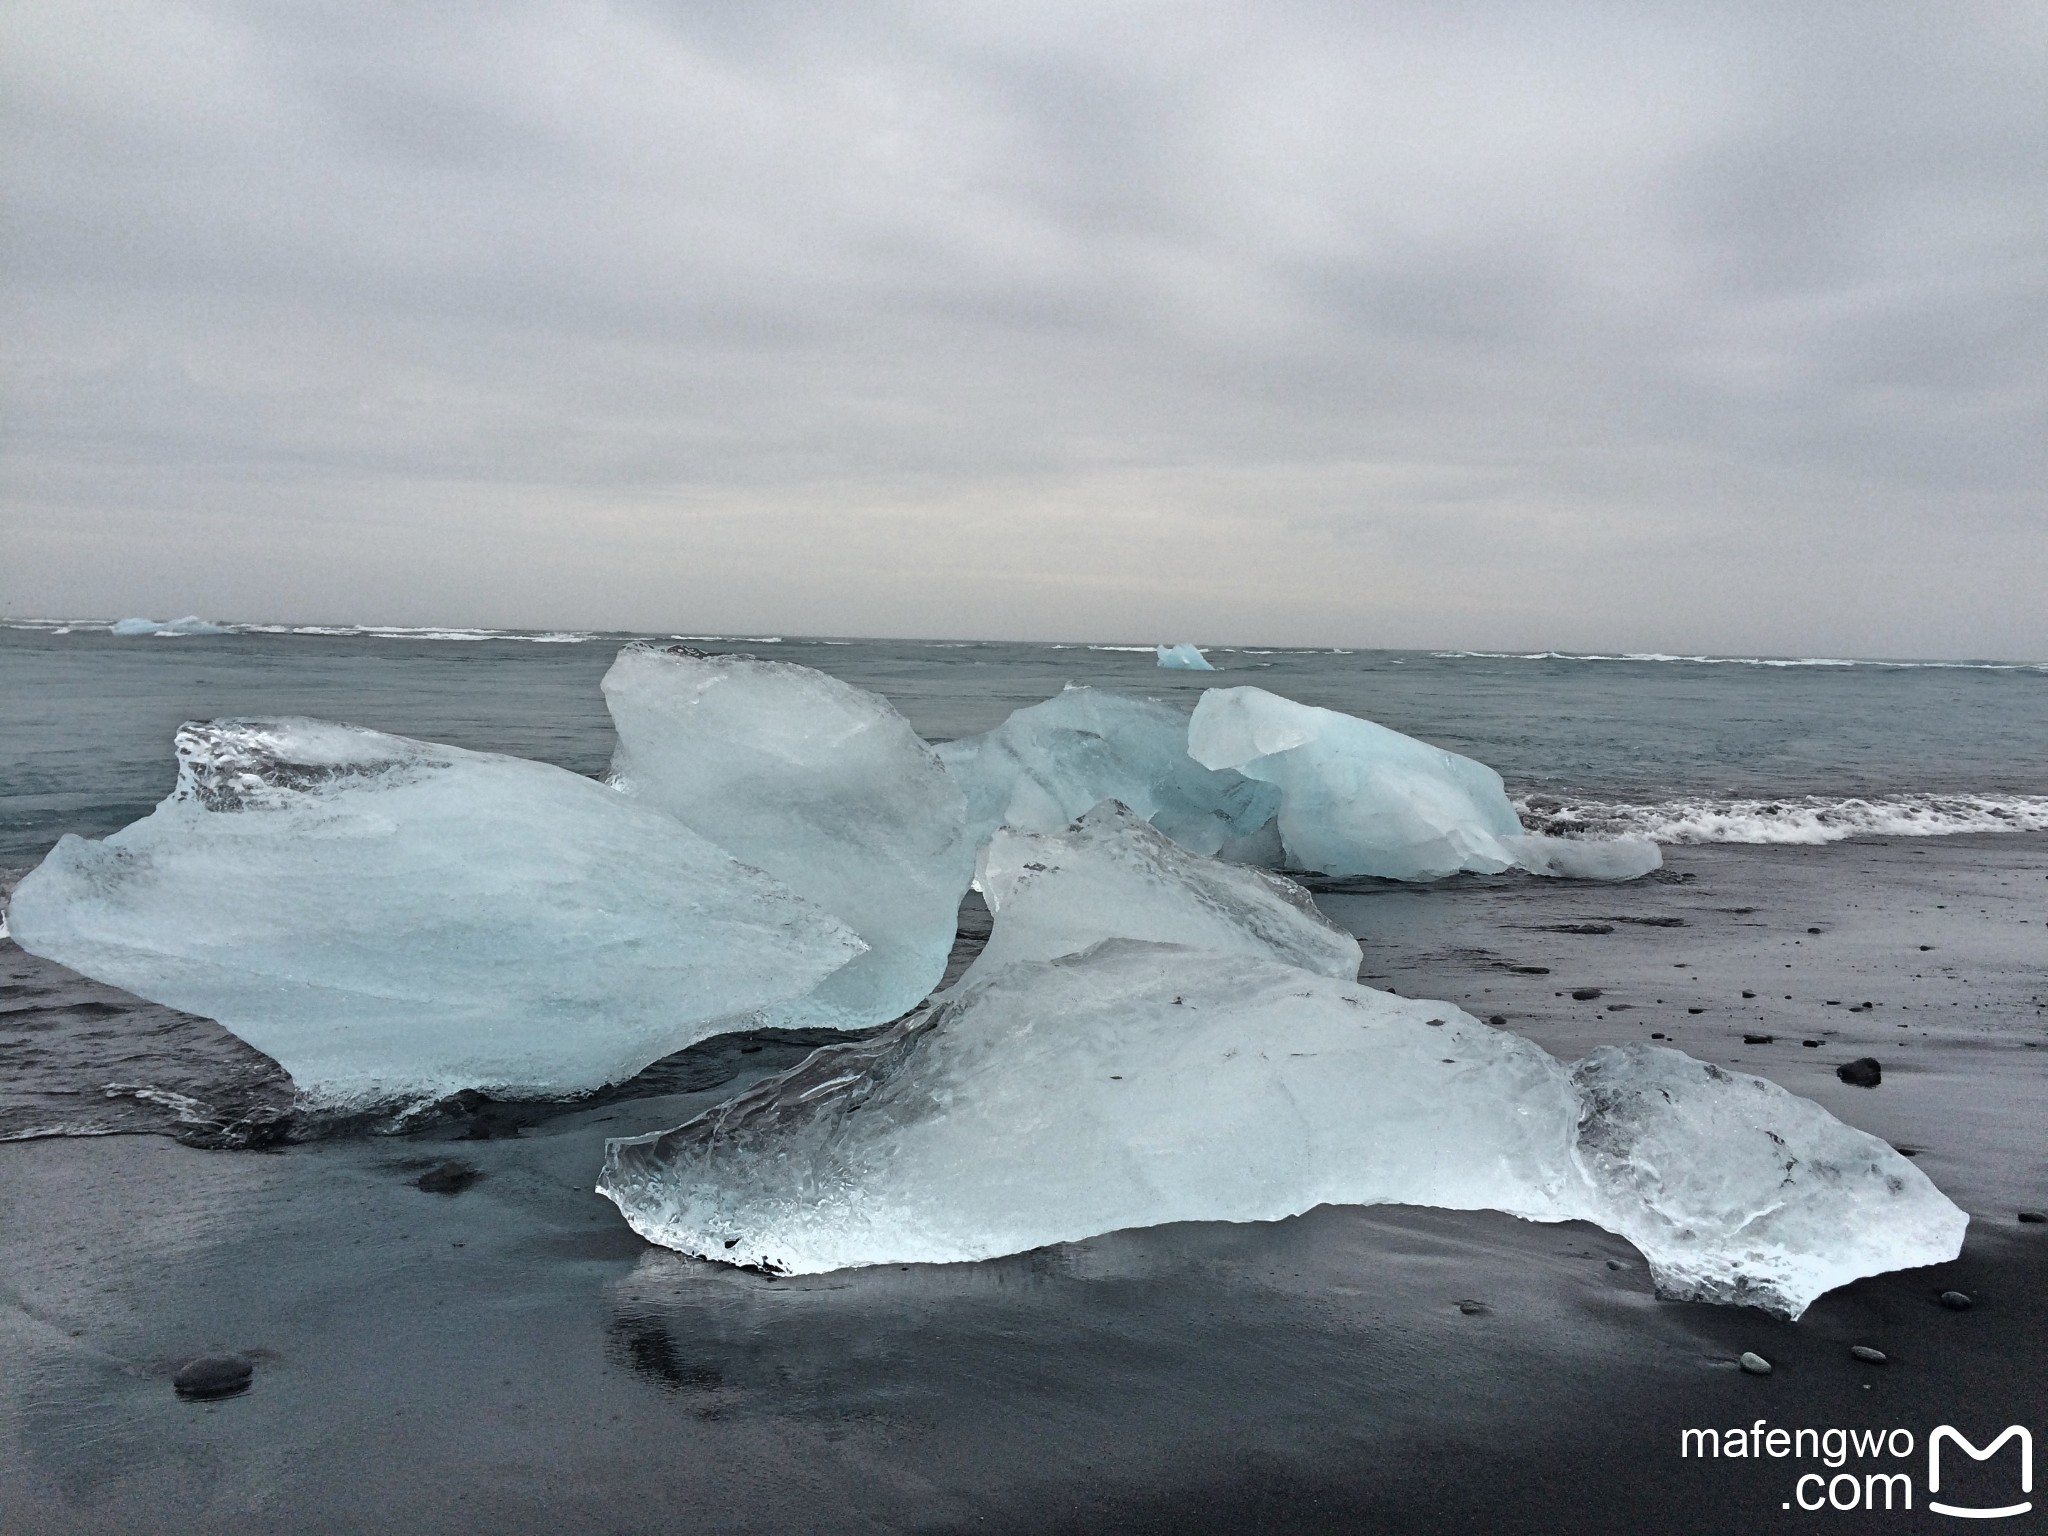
[(1224, 292)]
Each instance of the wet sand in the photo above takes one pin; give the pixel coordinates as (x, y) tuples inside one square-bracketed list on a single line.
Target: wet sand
[(510, 1358)]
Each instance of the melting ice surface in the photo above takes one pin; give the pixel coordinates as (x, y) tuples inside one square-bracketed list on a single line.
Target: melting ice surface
[(1184, 656), (1110, 875), (1359, 799), (1051, 762), (819, 783), (393, 920), (191, 624), (1136, 1082)]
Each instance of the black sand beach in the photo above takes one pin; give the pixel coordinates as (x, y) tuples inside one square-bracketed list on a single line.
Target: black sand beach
[(511, 1358)]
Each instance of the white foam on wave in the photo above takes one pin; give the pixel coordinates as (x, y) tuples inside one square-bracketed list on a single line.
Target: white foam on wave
[(1807, 819), (1745, 661)]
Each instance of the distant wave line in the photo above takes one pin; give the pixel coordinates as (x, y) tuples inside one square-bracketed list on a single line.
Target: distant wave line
[(1801, 819)]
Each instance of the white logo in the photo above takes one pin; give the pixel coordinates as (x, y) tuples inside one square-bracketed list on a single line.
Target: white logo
[(1948, 1432)]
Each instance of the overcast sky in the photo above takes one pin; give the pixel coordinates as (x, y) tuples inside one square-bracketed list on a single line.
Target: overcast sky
[(1687, 327)]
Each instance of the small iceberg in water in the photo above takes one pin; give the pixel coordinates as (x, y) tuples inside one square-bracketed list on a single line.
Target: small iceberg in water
[(191, 624), (1183, 656)]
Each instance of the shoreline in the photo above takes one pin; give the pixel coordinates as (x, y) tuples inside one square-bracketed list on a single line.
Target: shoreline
[(513, 1358)]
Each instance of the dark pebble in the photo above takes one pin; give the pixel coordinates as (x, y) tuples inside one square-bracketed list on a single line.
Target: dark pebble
[(1956, 1301), (1926, 946), (1811, 1045), (448, 1179), (1583, 928), (1866, 1353), (1863, 1072), (1530, 970), (1749, 994), (2033, 1218), (1496, 1020), (1813, 930), (1759, 1039), (1755, 1364), (1585, 994), (1656, 1036), (214, 1376), (1695, 1010), (1474, 1308)]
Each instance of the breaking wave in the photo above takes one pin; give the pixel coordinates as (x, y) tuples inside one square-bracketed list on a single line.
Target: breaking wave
[(1788, 819), (1746, 661)]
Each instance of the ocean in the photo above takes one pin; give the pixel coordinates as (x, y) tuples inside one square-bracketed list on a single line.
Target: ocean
[(1683, 749), (499, 1351)]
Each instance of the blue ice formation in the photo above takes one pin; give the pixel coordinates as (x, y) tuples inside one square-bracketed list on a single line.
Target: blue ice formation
[(1051, 762), (821, 784), (395, 921), (1359, 799), (1183, 656), (191, 624), (1087, 1080)]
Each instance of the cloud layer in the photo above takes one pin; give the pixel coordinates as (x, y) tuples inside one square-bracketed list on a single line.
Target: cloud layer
[(1685, 328)]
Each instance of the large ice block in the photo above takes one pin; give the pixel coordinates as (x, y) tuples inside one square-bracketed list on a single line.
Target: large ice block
[(1738, 1191), (393, 920), (1183, 656), (1111, 874), (823, 785), (1051, 762), (1359, 799), (1134, 1084)]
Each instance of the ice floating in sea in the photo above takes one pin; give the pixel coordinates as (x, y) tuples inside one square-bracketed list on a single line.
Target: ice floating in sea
[(1184, 656), (191, 624), (821, 784), (1051, 762), (1135, 1084), (1359, 799), (393, 920), (1112, 875)]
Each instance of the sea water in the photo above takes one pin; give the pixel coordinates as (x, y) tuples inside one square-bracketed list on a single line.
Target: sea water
[(1686, 749)]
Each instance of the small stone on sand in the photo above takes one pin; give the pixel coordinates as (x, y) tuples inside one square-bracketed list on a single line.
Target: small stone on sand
[(1759, 1039), (1956, 1301), (1755, 1364), (448, 1179), (1865, 1352), (213, 1376), (1863, 1072), (2034, 1218), (1585, 994)]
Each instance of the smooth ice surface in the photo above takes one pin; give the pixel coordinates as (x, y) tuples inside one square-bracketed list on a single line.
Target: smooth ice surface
[(191, 624), (1111, 875), (1051, 762), (1135, 1084), (1183, 655), (823, 785), (1738, 1191), (1359, 799), (394, 920)]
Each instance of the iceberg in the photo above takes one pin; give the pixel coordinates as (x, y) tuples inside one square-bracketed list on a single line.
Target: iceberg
[(1051, 762), (1135, 1084), (191, 624), (1183, 656), (1112, 875), (822, 785), (393, 920), (1359, 799)]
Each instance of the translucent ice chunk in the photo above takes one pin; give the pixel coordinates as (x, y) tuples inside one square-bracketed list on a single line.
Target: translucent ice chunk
[(1738, 1191), (1051, 762), (1359, 799), (1112, 875), (1183, 656), (823, 785), (1130, 1085), (1134, 1084), (394, 920), (191, 624)]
